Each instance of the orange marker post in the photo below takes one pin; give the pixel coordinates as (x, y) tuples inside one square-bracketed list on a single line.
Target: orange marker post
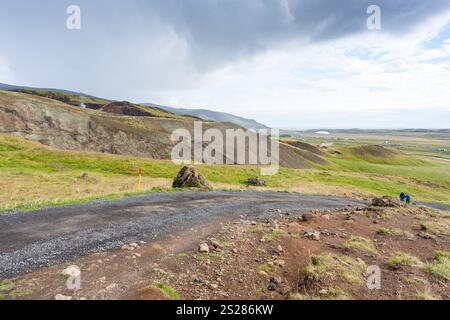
[(139, 179)]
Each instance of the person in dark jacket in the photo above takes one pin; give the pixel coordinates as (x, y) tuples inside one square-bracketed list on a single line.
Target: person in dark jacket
[(402, 197), (407, 198)]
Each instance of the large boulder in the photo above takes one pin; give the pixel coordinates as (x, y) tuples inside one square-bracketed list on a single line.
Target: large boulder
[(386, 201), (190, 178)]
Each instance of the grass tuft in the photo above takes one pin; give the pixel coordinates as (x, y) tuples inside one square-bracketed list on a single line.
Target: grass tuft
[(322, 268), (167, 290), (401, 259), (360, 243)]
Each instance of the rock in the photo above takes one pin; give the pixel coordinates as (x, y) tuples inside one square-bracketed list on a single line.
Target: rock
[(84, 176), (188, 177), (279, 249), (142, 242), (386, 201), (313, 235), (72, 271), (425, 235), (62, 297), (216, 244), (127, 247), (203, 248), (326, 217), (235, 250), (112, 287), (133, 245), (280, 263), (308, 216), (274, 283), (213, 286), (263, 274), (256, 182)]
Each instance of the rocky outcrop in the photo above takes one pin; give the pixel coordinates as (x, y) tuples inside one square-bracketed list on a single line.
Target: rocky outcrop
[(386, 201), (190, 178), (257, 182)]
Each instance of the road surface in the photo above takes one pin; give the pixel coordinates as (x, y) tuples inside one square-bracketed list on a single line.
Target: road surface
[(35, 239)]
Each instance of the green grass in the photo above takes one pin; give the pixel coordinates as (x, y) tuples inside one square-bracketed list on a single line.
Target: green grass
[(360, 243), (441, 266), (167, 290), (325, 267), (274, 235), (30, 177), (402, 259)]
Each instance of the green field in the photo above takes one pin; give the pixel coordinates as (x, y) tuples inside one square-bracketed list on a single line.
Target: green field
[(34, 176)]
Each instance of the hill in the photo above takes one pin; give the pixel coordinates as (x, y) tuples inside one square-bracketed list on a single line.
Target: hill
[(116, 128), (209, 115)]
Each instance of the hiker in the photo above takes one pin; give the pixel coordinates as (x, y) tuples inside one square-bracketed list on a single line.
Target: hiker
[(402, 197), (407, 198)]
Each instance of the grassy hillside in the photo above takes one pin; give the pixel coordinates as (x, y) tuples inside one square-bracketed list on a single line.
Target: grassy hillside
[(33, 176)]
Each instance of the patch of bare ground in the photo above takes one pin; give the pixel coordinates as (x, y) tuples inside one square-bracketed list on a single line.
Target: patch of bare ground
[(320, 255)]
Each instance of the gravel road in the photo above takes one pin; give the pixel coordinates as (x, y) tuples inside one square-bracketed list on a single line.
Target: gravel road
[(35, 239)]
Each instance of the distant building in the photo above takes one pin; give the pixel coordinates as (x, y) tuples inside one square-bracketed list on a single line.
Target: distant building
[(323, 132)]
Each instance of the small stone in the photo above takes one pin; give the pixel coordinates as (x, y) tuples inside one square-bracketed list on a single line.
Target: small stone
[(326, 217), (323, 291), (216, 244), (263, 274), (203, 248), (280, 263), (308, 216), (62, 297), (112, 286), (280, 249), (313, 235), (213, 286), (235, 250), (134, 245)]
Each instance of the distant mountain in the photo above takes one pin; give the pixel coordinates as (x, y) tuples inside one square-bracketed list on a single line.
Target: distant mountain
[(9, 87), (204, 114), (209, 115)]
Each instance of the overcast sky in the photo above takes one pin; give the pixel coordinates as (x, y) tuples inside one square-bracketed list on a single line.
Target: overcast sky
[(286, 63)]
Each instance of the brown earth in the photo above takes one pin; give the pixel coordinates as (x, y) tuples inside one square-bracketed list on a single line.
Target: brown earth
[(268, 259)]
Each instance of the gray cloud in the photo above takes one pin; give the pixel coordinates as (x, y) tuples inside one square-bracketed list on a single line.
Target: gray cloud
[(218, 30)]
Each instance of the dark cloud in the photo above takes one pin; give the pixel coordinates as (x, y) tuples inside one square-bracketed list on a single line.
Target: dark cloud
[(225, 29)]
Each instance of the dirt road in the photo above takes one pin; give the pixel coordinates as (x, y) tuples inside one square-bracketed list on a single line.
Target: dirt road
[(35, 239)]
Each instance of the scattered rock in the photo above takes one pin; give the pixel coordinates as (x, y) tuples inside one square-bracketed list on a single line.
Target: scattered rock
[(112, 287), (62, 297), (313, 235), (274, 283), (256, 182), (203, 248), (84, 176), (308, 216), (280, 263), (216, 244), (326, 217), (425, 235), (386, 201), (280, 249), (263, 274), (190, 178)]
